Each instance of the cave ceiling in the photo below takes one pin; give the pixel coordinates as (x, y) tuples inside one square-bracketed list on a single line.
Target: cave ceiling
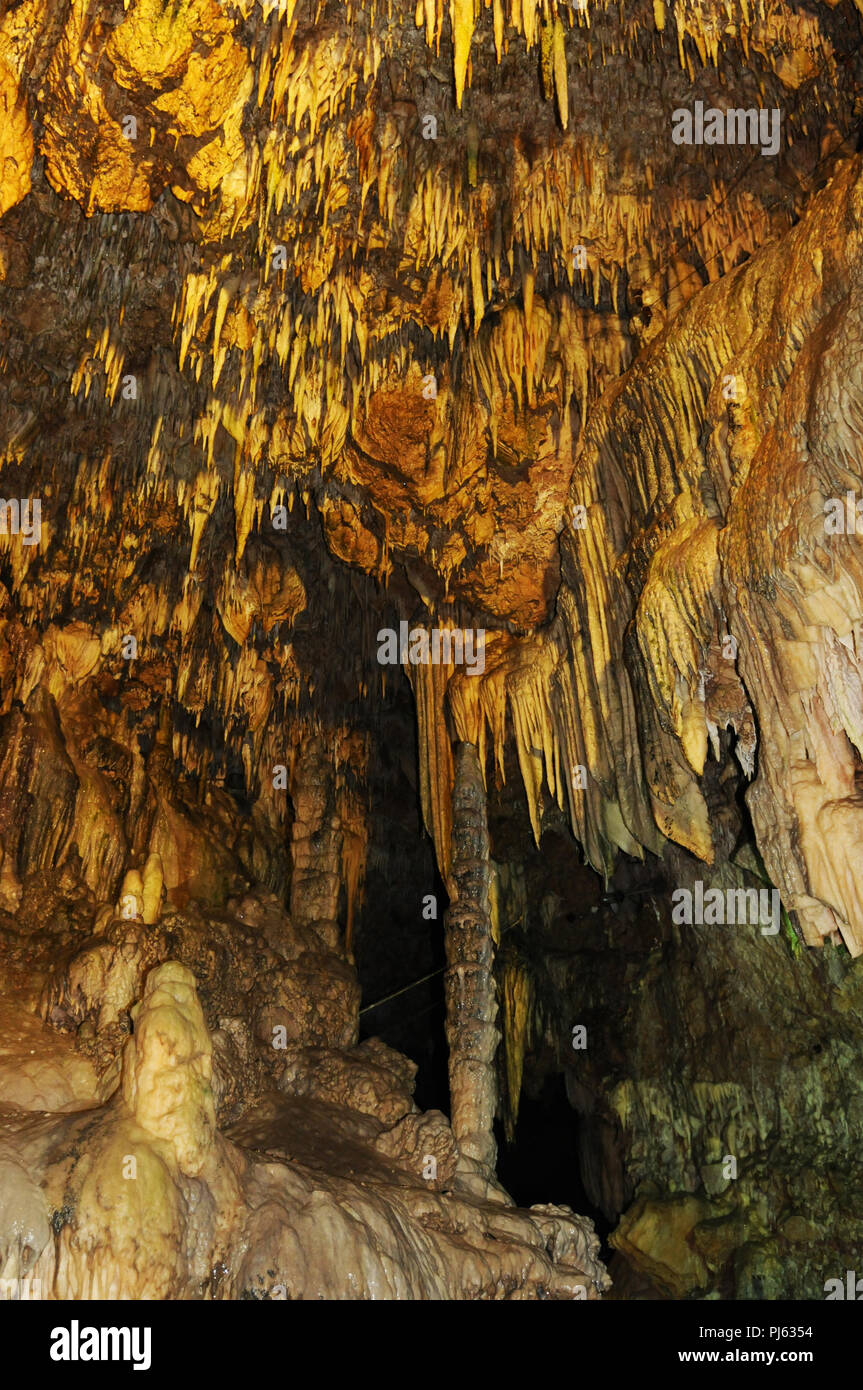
[(315, 318)]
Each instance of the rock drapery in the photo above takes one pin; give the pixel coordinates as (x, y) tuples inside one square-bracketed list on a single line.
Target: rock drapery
[(319, 322), (704, 593)]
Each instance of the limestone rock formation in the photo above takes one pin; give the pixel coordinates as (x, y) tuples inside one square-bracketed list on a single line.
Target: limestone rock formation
[(430, 630), (719, 1102), (157, 1200)]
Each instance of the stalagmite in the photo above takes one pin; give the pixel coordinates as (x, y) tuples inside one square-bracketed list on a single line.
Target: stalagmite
[(151, 895), (131, 902)]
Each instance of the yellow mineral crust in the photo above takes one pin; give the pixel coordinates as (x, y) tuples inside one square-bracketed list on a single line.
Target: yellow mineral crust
[(16, 141)]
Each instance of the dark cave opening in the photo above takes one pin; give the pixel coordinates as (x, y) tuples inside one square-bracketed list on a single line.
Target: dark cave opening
[(542, 1164), (399, 949), (418, 1032)]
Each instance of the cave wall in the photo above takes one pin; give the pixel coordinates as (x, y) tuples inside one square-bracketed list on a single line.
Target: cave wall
[(715, 1103)]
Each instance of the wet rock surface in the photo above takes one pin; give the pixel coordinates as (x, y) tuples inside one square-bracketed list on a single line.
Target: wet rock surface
[(301, 1198), (716, 1100)]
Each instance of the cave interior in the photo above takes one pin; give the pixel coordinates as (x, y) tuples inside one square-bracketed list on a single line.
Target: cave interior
[(431, 649)]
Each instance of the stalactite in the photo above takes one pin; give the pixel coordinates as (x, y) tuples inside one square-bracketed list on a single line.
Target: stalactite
[(462, 21), (435, 758), (517, 1011)]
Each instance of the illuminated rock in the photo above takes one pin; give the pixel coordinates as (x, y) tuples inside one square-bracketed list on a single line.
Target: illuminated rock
[(321, 322)]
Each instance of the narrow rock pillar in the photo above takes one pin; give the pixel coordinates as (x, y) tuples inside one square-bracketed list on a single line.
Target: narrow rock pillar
[(471, 1003), (316, 844)]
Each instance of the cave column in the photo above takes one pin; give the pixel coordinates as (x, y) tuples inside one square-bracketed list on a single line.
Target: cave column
[(316, 844), (471, 1003)]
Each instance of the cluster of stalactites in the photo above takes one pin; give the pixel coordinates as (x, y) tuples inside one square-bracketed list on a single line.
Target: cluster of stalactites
[(310, 307), (538, 692), (334, 349), (222, 675), (521, 681), (496, 265), (703, 31), (67, 660), (709, 589), (317, 319)]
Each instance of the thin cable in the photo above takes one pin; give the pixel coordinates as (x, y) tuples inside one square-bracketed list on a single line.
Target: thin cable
[(412, 1018), (413, 985)]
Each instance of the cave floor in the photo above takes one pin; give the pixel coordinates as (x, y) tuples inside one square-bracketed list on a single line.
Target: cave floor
[(317, 1135), (39, 1068)]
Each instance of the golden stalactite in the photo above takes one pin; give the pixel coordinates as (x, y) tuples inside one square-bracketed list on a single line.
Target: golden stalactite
[(244, 507), (518, 678), (561, 85), (462, 20), (436, 766), (200, 506), (517, 1007), (354, 853)]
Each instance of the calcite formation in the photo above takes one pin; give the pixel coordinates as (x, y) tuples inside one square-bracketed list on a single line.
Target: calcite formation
[(528, 321), (471, 1002), (156, 1202)]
